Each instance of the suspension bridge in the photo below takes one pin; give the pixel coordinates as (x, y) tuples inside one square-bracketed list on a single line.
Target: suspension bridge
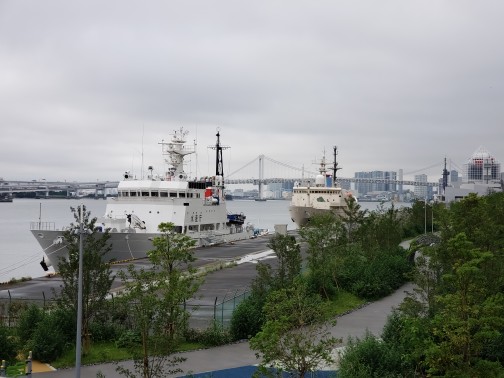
[(291, 173), (268, 171)]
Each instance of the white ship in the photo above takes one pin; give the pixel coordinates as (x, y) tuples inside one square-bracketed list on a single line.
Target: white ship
[(322, 197), (197, 208)]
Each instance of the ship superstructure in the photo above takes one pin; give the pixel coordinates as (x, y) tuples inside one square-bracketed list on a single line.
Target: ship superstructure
[(197, 208)]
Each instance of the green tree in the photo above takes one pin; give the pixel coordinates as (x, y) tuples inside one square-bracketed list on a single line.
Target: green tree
[(296, 334), (28, 323), (8, 349), (469, 317), (248, 316), (288, 253), (97, 276), (54, 334), (326, 239), (155, 296), (380, 231), (353, 218)]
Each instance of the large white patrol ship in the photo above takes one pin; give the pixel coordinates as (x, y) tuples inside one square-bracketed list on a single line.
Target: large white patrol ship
[(197, 208)]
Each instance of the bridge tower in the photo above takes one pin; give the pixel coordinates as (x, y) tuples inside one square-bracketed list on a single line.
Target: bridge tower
[(261, 175)]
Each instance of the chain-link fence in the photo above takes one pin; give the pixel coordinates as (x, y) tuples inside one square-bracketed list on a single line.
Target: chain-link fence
[(203, 312), (11, 307)]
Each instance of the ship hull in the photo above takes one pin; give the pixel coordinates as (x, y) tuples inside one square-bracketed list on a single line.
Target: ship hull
[(128, 246), (301, 215)]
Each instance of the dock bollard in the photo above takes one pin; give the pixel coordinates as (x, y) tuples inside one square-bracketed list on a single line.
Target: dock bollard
[(28, 369)]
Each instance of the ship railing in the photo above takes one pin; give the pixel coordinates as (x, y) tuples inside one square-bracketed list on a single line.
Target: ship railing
[(43, 226)]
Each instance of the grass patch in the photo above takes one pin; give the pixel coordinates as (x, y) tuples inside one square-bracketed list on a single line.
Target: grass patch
[(99, 353), (344, 302), (187, 346), (108, 352)]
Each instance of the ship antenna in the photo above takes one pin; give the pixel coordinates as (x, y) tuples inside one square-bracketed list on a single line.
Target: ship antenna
[(335, 165)]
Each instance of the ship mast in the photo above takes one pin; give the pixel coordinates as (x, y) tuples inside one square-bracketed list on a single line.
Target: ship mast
[(219, 162), (175, 150), (445, 177), (335, 165)]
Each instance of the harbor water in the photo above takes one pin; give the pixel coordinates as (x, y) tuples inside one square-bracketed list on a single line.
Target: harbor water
[(21, 254)]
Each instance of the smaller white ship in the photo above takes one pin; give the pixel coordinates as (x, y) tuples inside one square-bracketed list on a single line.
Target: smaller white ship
[(322, 197), (196, 207)]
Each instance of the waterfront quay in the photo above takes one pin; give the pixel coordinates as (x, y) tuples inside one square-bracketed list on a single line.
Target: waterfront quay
[(229, 268)]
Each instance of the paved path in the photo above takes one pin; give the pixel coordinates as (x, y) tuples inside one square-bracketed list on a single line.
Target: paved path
[(371, 317)]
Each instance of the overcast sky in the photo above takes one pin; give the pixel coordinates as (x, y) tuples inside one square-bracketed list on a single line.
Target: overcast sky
[(88, 88)]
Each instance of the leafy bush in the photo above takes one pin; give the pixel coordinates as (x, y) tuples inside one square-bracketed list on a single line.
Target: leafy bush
[(105, 331), (368, 358), (54, 333), (374, 278), (7, 345), (247, 318), (128, 339), (215, 335), (28, 322)]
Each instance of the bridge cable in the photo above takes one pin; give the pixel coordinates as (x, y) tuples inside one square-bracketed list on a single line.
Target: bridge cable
[(245, 166), (424, 169), (287, 165)]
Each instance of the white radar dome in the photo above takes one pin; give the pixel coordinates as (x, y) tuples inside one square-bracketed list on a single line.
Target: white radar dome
[(320, 180)]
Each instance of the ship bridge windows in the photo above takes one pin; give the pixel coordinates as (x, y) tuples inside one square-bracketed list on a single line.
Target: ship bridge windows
[(207, 227), (193, 228), (158, 193)]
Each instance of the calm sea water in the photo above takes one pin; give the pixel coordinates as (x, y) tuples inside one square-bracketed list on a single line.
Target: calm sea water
[(21, 254)]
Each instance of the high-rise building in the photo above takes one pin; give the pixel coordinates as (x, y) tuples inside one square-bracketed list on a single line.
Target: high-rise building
[(277, 189), (482, 168), (421, 191), (454, 176), (364, 187)]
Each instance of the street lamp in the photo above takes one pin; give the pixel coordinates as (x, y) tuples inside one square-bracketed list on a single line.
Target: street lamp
[(425, 217), (78, 341), (432, 218)]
